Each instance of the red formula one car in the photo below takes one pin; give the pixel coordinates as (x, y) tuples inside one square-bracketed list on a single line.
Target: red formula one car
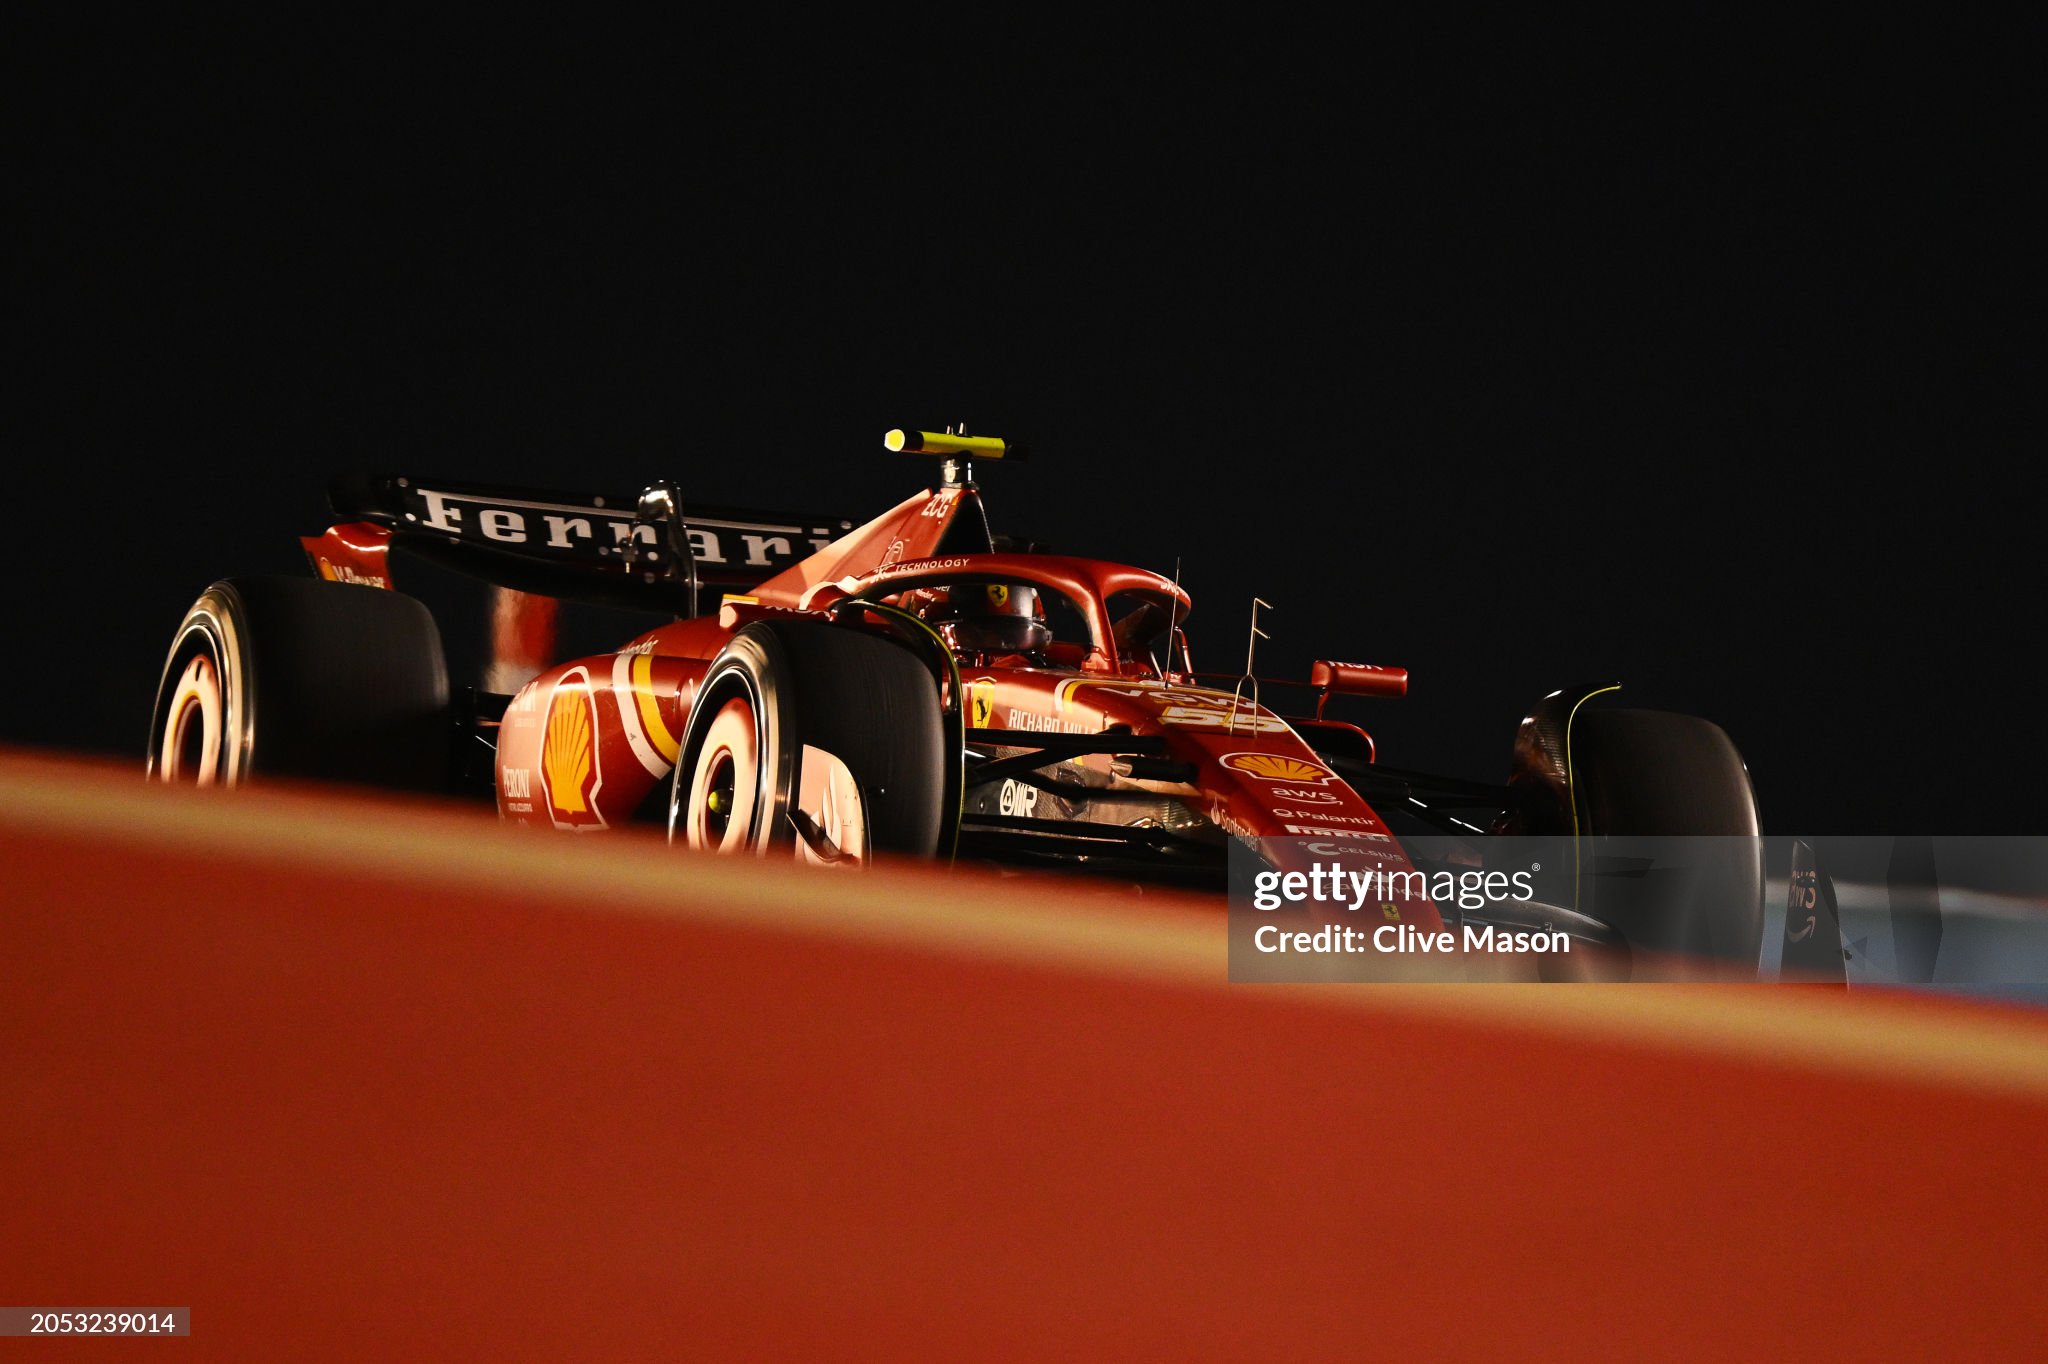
[(914, 686)]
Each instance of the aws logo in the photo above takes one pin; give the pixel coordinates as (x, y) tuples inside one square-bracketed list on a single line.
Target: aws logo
[(1279, 767), (570, 775)]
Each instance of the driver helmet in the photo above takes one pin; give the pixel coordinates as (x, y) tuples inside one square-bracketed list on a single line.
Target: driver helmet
[(991, 618)]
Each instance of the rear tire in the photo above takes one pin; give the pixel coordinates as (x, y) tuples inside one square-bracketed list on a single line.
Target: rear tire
[(811, 741), (290, 677), (1655, 775)]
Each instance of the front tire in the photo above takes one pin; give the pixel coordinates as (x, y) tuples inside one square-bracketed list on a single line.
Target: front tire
[(814, 741), (1642, 778), (290, 677)]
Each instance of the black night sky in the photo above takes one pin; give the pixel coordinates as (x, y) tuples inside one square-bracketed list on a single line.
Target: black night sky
[(1698, 375)]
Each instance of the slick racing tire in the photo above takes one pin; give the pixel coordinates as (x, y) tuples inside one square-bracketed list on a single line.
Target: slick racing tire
[(1641, 778), (811, 741), (292, 677)]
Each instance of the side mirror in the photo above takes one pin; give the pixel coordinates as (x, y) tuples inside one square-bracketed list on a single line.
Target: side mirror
[(1354, 679), (1179, 644)]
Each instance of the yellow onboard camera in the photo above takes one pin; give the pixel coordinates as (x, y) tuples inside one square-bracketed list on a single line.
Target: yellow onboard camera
[(911, 442)]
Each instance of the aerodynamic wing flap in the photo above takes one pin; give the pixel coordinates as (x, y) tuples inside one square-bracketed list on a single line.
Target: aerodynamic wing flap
[(579, 544)]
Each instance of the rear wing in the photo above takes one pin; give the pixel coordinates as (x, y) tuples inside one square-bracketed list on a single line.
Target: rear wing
[(642, 551)]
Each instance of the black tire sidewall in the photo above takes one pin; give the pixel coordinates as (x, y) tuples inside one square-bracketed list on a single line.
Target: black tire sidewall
[(865, 700), (1657, 776), (322, 681)]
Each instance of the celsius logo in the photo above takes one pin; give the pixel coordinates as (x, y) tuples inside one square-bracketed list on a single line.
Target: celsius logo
[(1279, 767), (569, 771)]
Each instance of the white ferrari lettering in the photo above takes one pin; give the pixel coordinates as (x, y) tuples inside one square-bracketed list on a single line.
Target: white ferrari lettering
[(498, 524), (441, 516), (560, 528), (704, 545), (758, 545)]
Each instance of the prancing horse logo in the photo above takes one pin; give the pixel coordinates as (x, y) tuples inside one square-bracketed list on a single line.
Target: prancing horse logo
[(981, 703)]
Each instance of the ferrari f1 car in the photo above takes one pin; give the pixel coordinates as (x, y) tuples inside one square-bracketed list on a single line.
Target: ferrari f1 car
[(914, 686)]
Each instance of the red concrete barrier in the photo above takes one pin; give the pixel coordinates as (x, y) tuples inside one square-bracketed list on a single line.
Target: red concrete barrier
[(363, 1080)]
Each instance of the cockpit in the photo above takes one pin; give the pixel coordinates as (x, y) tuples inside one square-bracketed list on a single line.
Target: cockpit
[(1045, 612)]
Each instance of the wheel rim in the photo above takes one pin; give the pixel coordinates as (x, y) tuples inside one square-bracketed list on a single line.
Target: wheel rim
[(725, 784), (192, 726), (725, 809), (832, 830)]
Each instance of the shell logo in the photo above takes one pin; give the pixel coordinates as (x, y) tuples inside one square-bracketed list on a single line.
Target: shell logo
[(568, 761), (1278, 767)]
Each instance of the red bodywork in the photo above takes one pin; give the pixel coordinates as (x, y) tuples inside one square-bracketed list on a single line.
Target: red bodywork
[(588, 743)]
